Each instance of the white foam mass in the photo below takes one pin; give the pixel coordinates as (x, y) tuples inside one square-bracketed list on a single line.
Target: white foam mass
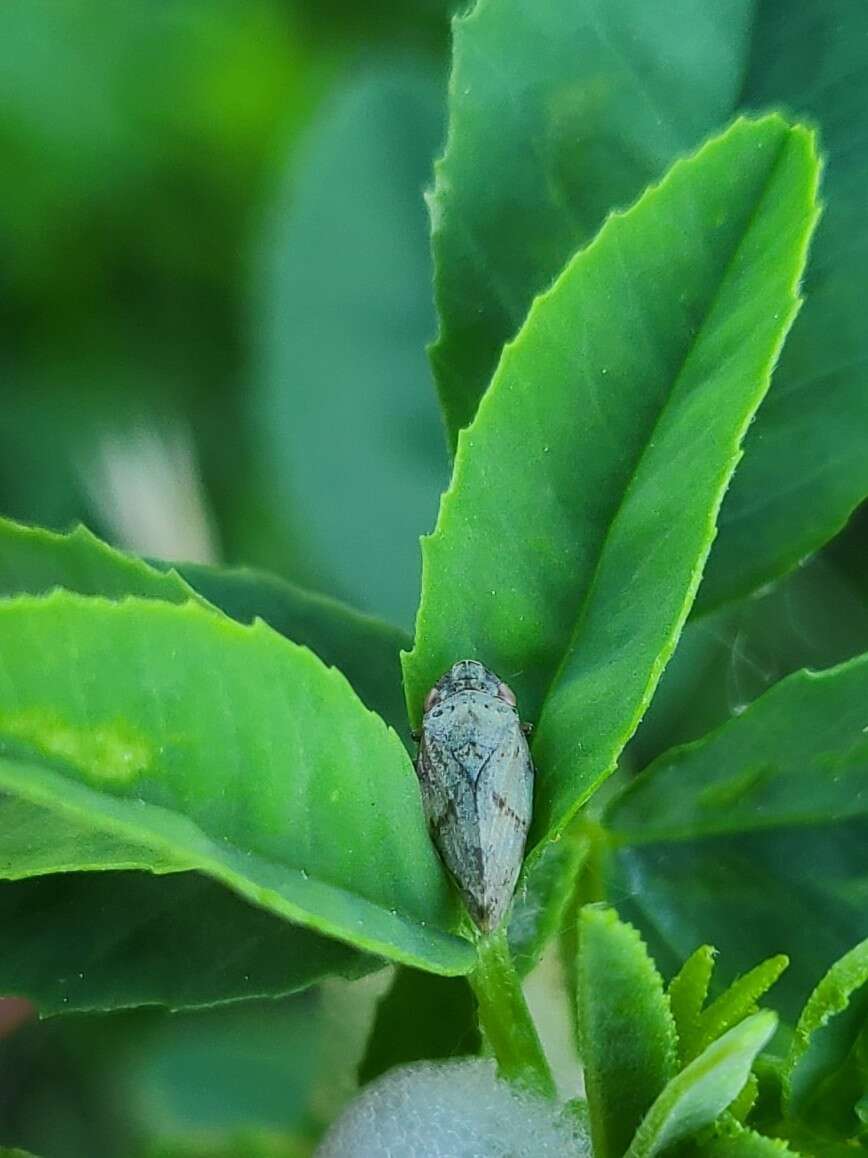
[(455, 1109)]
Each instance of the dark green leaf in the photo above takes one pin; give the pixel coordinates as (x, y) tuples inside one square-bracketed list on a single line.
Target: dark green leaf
[(228, 749), (111, 940), (542, 898), (826, 1034), (349, 430), (814, 618), (574, 588), (421, 1017), (627, 1035), (560, 113), (756, 833), (702, 1091), (34, 561)]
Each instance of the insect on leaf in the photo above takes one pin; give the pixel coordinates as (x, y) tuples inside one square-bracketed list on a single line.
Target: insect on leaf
[(269, 776), (583, 502)]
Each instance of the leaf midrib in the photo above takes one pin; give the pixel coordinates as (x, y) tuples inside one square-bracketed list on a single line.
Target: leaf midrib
[(631, 481), (207, 861), (681, 834)]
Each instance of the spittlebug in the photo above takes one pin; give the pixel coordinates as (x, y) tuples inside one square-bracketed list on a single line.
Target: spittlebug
[(476, 775)]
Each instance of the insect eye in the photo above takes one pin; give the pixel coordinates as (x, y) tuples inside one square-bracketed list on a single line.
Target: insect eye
[(431, 699), (506, 694)]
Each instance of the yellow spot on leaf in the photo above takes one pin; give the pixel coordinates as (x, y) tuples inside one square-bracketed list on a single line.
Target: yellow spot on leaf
[(109, 753)]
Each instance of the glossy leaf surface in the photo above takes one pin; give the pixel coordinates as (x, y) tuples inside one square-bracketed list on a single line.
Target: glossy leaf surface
[(702, 1090), (266, 773), (756, 833), (34, 561), (562, 111), (582, 506), (832, 1021)]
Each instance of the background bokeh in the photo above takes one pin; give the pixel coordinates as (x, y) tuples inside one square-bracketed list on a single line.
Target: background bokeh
[(215, 295), (216, 283), (214, 301)]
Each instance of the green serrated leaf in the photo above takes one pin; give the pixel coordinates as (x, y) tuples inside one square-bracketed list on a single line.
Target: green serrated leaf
[(769, 815), (365, 649), (105, 957), (651, 399), (831, 1023), (740, 999), (228, 749), (741, 1107), (626, 1032), (34, 561), (559, 113), (739, 1142), (703, 1090), (687, 992)]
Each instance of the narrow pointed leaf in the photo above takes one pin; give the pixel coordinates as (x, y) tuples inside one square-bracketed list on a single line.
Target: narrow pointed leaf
[(703, 1090), (740, 999), (688, 991), (771, 812), (228, 749), (542, 898), (563, 111), (835, 1015), (570, 544), (626, 1032), (555, 119)]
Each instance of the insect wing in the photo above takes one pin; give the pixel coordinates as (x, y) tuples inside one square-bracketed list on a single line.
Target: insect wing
[(504, 800), (450, 809)]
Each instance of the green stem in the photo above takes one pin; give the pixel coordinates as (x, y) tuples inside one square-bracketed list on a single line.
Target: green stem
[(505, 1018)]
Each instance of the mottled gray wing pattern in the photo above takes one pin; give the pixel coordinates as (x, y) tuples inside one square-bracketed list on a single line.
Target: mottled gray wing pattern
[(504, 800), (450, 809)]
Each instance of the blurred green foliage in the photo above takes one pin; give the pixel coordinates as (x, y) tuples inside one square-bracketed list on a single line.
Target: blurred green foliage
[(214, 261), (150, 153)]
